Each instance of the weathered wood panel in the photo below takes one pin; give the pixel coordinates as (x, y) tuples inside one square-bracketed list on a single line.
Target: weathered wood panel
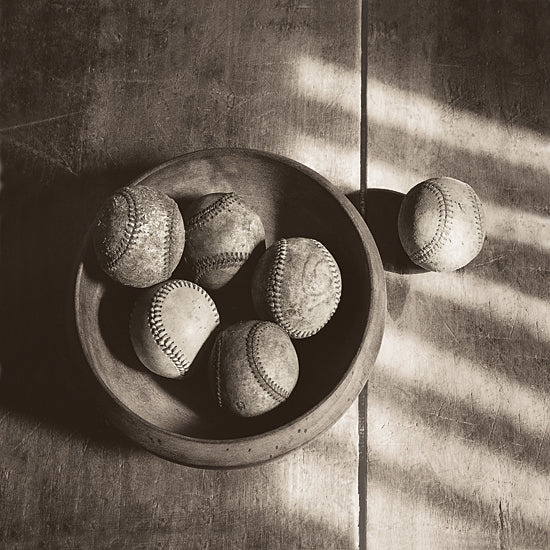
[(92, 94), (459, 404)]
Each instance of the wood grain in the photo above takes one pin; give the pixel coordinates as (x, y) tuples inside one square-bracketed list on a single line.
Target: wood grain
[(458, 406), (93, 94)]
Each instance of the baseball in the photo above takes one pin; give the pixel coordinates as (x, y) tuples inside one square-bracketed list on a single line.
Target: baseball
[(169, 324), (253, 367), (139, 236), (297, 284), (222, 232), (441, 224)]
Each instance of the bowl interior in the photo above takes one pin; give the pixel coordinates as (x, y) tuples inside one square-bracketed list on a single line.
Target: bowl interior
[(291, 201)]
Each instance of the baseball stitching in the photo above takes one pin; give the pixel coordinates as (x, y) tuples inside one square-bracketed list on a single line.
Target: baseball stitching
[(158, 330), (335, 275), (274, 390), (444, 224), (167, 243), (275, 283), (218, 353), (225, 260), (131, 231), (476, 203), (202, 217)]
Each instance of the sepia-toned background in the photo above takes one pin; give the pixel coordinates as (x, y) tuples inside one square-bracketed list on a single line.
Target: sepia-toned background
[(448, 446)]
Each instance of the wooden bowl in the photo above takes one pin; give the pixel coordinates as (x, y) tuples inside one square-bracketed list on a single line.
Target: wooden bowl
[(179, 419)]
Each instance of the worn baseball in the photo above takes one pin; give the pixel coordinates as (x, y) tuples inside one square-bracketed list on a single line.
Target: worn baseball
[(253, 367), (139, 236), (297, 284), (222, 233), (441, 224), (169, 325)]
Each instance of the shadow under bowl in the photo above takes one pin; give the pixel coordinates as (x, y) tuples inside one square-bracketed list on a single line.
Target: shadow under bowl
[(179, 419)]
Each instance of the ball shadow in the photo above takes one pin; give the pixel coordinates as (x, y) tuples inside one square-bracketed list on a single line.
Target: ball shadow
[(381, 214), (113, 321), (234, 299)]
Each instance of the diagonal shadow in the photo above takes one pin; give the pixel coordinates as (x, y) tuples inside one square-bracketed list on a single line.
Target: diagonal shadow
[(516, 182), (516, 265), (451, 416), (421, 484), (485, 342), (488, 58)]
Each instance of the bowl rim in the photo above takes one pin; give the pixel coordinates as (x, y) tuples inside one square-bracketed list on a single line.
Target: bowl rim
[(326, 412)]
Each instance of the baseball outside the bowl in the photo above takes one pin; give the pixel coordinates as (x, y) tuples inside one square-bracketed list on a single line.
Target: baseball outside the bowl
[(253, 368), (222, 234), (297, 284), (169, 325), (139, 236), (441, 224)]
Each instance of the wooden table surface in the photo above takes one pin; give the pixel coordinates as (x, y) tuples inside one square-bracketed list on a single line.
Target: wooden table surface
[(94, 93), (458, 406)]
